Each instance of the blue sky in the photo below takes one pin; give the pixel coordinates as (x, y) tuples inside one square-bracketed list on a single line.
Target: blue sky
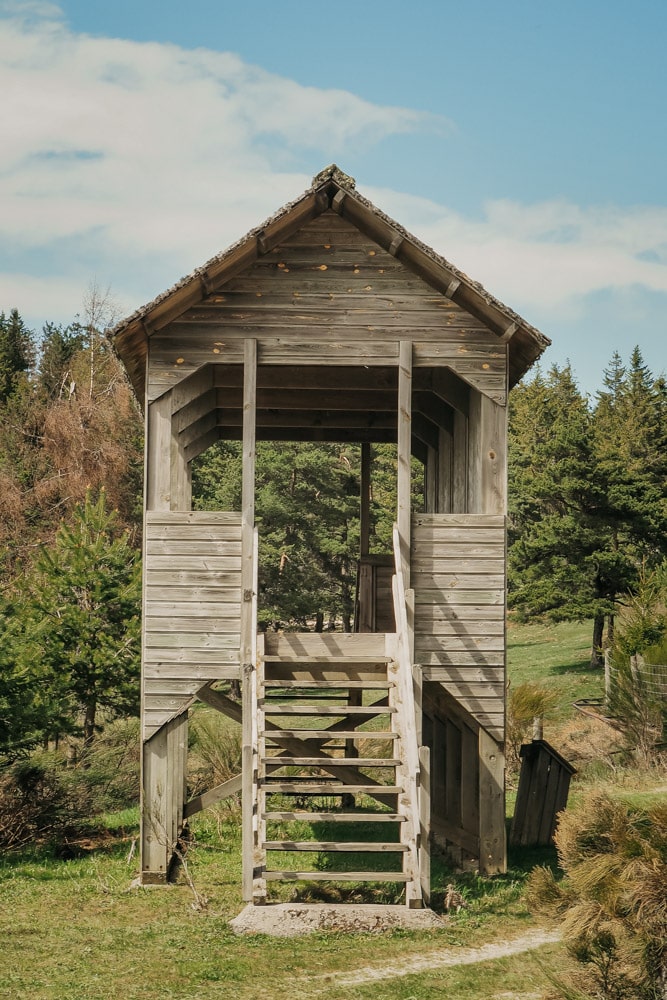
[(524, 141)]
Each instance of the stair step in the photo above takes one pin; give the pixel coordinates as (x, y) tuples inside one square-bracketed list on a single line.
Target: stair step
[(278, 709), (276, 876), (301, 816), (275, 696), (348, 661), (328, 761), (327, 684), (323, 788), (325, 734), (335, 845)]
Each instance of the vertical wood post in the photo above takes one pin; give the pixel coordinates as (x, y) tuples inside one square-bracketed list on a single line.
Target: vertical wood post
[(365, 501), (425, 823), (248, 624), (487, 494), (487, 449), (431, 470), (404, 454), (156, 789), (444, 497), (492, 847), (460, 464)]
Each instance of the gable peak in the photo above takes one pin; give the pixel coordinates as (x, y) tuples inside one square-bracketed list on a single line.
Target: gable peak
[(335, 174)]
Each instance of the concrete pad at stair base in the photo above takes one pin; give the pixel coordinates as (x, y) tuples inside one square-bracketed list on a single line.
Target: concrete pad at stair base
[(294, 919)]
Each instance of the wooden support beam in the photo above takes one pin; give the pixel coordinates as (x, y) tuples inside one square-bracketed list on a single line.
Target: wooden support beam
[(452, 389), (349, 419), (395, 245), (375, 400), (198, 428), (202, 443), (320, 377), (404, 454), (222, 791), (365, 500), (509, 332), (419, 450), (195, 410), (300, 747), (425, 430), (487, 456), (192, 388), (158, 453), (451, 288), (425, 823), (434, 408), (445, 455), (460, 464), (493, 851), (248, 622), (337, 201), (375, 435)]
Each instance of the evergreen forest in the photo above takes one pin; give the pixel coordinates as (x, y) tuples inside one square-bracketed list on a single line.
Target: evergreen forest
[(588, 518), (587, 544)]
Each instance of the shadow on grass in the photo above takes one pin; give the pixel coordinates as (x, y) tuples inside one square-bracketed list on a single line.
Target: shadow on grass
[(578, 667)]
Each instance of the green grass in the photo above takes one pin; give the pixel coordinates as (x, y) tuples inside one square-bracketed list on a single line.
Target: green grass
[(557, 656), (76, 930)]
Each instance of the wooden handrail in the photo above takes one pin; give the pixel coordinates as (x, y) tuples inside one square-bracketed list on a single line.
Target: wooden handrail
[(405, 691), (402, 632)]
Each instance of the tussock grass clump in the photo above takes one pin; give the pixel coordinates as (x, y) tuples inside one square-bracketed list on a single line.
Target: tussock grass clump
[(613, 900)]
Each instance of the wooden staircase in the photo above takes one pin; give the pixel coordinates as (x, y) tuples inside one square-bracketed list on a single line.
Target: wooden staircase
[(334, 744)]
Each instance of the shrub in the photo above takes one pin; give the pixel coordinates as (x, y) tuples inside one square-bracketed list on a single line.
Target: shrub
[(51, 798), (613, 899)]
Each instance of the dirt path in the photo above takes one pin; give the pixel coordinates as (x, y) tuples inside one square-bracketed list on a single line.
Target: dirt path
[(439, 958)]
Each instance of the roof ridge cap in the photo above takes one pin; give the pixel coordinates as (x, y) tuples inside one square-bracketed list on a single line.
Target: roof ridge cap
[(335, 174)]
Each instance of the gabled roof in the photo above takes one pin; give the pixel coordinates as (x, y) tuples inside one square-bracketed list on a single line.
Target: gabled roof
[(331, 189)]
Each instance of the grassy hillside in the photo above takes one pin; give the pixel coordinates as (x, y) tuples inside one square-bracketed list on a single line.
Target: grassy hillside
[(76, 930)]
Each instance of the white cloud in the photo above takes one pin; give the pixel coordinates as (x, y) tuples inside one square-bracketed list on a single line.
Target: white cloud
[(154, 143), (138, 160), (549, 254)]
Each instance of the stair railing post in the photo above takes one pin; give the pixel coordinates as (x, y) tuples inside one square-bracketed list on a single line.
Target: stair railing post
[(248, 622), (409, 800)]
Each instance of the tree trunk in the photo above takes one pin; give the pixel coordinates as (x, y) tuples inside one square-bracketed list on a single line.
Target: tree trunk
[(319, 621), (597, 656), (611, 624), (89, 727)]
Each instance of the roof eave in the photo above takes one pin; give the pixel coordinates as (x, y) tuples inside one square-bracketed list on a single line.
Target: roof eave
[(331, 189)]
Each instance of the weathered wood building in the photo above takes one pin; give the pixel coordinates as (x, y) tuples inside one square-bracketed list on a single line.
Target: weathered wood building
[(332, 323)]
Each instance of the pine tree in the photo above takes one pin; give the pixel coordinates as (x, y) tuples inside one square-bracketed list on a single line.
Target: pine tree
[(23, 711), (307, 510), (59, 345), (630, 432), (559, 568), (81, 609), (16, 351)]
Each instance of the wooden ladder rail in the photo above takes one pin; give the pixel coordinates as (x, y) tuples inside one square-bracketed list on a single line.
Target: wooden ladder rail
[(249, 727), (414, 832)]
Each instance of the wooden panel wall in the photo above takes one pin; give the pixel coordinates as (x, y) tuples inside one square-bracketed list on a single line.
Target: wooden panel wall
[(375, 594), (329, 295), (458, 575), (192, 606)]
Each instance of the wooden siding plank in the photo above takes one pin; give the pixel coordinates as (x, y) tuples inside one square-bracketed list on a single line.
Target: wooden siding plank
[(460, 615), (191, 622), (193, 517)]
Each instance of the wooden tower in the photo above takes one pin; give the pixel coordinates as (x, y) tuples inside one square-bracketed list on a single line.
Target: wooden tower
[(331, 323)]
